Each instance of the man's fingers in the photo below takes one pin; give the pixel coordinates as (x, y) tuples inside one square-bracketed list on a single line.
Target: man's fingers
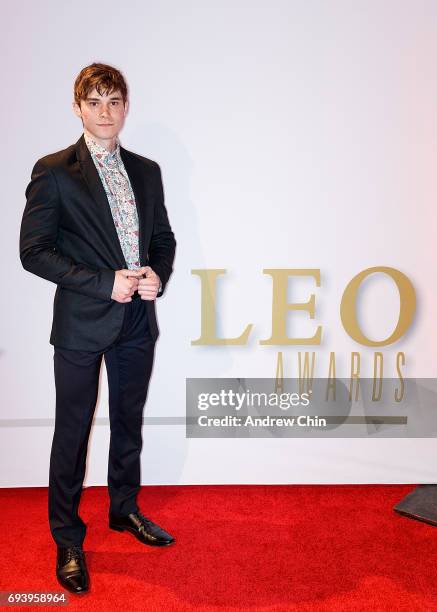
[(149, 281), (127, 273), (147, 295), (148, 291), (147, 270), (131, 273), (143, 270)]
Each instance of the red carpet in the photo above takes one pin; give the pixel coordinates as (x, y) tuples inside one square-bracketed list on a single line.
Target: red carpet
[(238, 548)]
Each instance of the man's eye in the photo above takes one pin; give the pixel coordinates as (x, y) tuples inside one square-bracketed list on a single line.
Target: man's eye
[(115, 102)]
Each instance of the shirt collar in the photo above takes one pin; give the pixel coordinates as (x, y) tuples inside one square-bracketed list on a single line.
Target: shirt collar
[(101, 153)]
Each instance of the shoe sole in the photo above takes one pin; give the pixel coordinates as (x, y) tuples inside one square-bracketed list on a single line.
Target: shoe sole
[(138, 537)]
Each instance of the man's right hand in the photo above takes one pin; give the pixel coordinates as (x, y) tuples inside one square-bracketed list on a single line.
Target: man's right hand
[(125, 285)]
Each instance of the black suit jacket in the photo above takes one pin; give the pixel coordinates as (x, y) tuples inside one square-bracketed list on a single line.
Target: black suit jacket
[(68, 237)]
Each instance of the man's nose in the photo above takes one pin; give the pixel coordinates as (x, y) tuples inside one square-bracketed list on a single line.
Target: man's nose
[(104, 112)]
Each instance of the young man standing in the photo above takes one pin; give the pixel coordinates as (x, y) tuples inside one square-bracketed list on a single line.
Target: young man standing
[(95, 224)]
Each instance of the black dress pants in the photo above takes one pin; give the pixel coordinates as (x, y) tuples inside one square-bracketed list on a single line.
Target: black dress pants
[(129, 363)]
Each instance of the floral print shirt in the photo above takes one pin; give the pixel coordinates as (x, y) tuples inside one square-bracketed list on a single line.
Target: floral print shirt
[(120, 197)]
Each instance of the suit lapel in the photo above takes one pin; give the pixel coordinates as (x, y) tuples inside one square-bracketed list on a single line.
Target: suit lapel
[(98, 193)]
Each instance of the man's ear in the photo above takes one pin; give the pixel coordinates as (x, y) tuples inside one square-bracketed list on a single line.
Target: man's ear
[(126, 107), (76, 109)]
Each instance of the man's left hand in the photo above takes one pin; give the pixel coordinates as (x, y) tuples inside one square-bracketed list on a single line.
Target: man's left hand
[(148, 287)]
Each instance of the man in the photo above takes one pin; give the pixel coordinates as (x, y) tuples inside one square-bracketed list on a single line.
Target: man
[(95, 224)]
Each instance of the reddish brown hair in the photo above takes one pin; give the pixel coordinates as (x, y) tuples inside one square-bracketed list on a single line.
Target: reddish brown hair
[(104, 78)]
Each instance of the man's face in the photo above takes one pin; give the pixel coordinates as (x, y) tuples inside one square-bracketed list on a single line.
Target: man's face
[(102, 116)]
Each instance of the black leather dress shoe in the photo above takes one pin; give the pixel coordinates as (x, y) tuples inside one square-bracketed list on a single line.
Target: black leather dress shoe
[(71, 570), (142, 528)]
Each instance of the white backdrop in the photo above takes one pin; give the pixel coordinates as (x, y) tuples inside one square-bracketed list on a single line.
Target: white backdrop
[(290, 135)]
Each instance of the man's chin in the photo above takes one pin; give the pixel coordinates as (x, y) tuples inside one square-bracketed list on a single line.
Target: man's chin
[(104, 133)]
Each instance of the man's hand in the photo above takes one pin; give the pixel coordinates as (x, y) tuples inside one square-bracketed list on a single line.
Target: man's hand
[(148, 287), (125, 285)]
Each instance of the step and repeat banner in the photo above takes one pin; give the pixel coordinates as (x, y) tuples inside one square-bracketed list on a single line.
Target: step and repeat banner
[(297, 143)]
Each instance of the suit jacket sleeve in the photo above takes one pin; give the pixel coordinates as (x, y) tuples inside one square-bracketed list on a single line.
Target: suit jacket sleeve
[(38, 235), (162, 244)]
